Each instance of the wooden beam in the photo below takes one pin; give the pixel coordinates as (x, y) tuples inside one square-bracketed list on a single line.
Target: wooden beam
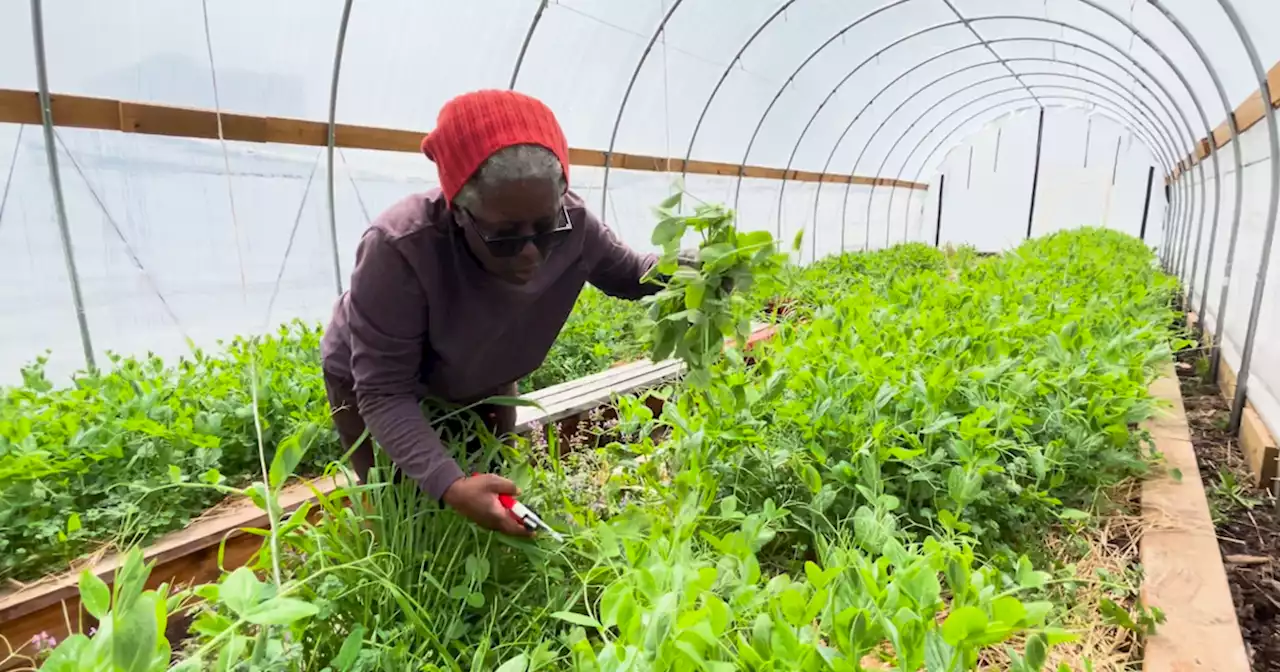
[(1247, 115), (1182, 567), (23, 107)]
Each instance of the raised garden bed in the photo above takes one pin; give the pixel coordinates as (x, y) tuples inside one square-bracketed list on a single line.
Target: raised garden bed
[(217, 541), (894, 462)]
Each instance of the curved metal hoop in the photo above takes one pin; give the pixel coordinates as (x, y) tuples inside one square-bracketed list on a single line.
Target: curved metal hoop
[(1100, 38), (1168, 136), (781, 89), (1159, 129), (1269, 232), (333, 112), (524, 46), (1119, 88), (622, 107), (831, 155), (725, 75), (1158, 142)]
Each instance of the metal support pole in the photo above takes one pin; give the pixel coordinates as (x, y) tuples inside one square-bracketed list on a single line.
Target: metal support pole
[(622, 107), (55, 181), (1035, 174), (1146, 205), (524, 46), (1238, 159), (937, 231), (1115, 163), (333, 111), (1269, 234)]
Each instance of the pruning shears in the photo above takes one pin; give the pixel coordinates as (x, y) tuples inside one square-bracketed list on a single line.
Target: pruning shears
[(525, 516)]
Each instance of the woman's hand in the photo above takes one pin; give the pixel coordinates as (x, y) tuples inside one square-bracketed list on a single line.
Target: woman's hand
[(476, 498)]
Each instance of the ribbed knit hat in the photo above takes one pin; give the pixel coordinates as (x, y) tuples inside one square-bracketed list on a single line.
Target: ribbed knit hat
[(471, 127)]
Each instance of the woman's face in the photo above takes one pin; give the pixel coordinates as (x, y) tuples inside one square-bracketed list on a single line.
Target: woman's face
[(521, 208)]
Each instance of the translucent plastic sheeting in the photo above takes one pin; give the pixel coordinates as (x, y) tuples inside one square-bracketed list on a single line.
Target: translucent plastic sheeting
[(988, 180), (797, 86), (404, 58), (160, 261), (1264, 379)]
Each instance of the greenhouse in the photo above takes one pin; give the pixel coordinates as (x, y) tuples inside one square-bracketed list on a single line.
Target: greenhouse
[(603, 335)]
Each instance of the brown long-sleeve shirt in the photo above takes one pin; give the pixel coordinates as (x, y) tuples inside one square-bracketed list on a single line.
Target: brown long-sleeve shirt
[(422, 317)]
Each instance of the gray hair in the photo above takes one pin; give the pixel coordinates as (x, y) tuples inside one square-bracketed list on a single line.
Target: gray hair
[(516, 163)]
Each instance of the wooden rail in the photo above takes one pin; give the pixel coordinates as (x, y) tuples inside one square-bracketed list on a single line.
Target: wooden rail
[(106, 114), (1182, 566), (1247, 115)]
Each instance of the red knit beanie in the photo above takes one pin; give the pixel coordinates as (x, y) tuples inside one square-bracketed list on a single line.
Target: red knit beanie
[(471, 127)]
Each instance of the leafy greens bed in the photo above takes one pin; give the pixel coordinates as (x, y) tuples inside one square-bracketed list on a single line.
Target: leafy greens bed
[(867, 493), (80, 464)]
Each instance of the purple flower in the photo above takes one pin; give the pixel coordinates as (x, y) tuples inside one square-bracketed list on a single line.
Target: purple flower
[(44, 641)]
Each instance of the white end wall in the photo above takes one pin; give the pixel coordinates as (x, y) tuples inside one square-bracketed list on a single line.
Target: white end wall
[(986, 201)]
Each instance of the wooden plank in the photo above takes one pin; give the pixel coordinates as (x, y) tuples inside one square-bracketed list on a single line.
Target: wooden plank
[(1182, 567), (601, 391), (22, 107), (620, 373), (549, 394), (589, 386), (1203, 150)]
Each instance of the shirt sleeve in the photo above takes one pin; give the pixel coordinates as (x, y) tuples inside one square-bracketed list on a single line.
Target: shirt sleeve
[(387, 316), (612, 266)]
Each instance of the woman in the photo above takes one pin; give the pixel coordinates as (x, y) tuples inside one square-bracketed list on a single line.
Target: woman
[(460, 291)]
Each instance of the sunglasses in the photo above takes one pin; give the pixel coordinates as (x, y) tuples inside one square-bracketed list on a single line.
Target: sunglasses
[(510, 246)]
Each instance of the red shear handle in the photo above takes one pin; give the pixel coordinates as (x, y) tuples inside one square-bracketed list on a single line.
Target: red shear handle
[(520, 512)]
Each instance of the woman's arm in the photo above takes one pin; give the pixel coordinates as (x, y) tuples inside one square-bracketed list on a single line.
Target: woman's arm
[(387, 316), (612, 266)]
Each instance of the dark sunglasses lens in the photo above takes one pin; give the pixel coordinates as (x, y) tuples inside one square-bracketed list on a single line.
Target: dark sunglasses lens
[(506, 248), (552, 239)]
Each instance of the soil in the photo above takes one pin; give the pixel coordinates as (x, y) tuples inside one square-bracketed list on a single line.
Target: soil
[(1247, 523)]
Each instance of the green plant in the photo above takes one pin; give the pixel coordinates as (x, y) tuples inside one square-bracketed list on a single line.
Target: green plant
[(868, 487), (1142, 620), (701, 305), (1235, 493), (97, 462)]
